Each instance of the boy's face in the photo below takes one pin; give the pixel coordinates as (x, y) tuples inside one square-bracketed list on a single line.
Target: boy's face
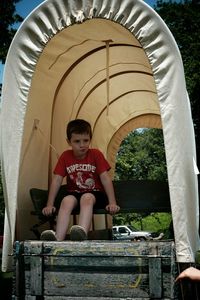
[(80, 144)]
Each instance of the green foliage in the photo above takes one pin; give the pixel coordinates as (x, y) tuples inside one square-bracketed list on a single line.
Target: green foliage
[(154, 222), (130, 218), (183, 19), (8, 18), (142, 156)]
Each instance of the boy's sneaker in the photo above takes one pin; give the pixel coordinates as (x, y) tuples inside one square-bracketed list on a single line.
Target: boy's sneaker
[(77, 233), (48, 235)]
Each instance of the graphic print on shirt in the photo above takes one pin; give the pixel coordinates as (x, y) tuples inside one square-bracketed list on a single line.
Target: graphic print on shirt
[(90, 168), (82, 175)]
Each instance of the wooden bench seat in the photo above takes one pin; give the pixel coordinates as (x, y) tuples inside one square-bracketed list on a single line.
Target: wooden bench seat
[(132, 196)]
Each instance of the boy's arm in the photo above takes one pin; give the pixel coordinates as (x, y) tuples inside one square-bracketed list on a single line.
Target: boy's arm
[(106, 181), (55, 185)]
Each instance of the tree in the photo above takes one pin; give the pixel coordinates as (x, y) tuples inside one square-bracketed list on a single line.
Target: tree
[(183, 19), (142, 156), (8, 18)]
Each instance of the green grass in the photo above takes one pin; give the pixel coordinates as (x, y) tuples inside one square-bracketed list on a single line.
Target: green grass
[(157, 222)]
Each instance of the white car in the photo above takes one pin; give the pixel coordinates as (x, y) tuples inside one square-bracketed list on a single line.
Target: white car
[(128, 232)]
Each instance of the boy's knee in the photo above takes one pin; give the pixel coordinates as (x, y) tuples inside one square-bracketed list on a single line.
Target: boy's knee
[(88, 199), (68, 201)]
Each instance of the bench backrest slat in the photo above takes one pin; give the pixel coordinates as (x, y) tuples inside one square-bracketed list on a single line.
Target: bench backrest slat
[(143, 196), (132, 196)]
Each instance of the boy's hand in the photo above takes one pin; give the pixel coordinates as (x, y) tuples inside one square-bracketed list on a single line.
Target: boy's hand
[(112, 208), (191, 273), (48, 210)]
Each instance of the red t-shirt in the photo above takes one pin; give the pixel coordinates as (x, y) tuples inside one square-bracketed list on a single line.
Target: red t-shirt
[(82, 174)]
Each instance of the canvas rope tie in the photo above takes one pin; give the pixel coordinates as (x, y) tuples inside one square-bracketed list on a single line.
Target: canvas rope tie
[(107, 43)]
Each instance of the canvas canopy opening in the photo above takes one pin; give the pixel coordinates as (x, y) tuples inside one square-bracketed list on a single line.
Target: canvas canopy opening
[(113, 63)]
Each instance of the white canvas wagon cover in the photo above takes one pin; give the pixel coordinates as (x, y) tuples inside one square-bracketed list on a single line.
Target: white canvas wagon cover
[(113, 63)]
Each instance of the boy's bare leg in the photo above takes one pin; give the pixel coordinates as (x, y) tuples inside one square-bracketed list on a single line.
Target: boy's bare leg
[(67, 205), (87, 202), (79, 232)]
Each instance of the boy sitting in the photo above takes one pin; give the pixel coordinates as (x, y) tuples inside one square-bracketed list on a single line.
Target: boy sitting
[(88, 184)]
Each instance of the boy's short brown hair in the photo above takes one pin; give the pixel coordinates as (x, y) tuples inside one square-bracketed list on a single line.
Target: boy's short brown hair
[(78, 126)]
